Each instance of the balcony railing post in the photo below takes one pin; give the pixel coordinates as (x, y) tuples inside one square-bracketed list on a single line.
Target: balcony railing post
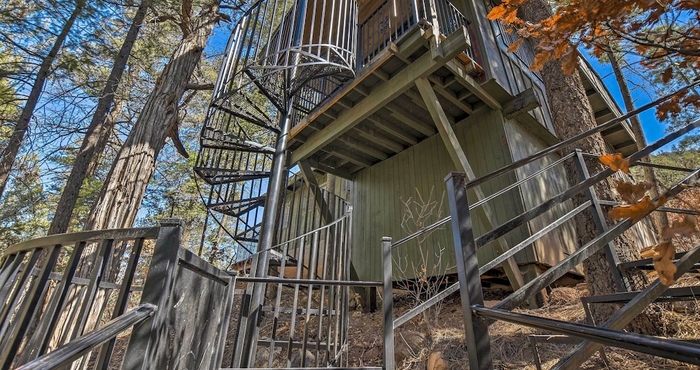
[(388, 304), (597, 212), (476, 328)]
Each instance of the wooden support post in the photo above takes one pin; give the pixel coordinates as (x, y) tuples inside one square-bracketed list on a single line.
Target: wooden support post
[(470, 291), (485, 214)]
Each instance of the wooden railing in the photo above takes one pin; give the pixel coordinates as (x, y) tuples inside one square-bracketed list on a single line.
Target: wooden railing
[(56, 292)]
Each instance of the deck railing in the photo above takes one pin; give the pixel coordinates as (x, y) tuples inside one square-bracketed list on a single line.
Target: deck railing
[(58, 292), (394, 18), (477, 317)]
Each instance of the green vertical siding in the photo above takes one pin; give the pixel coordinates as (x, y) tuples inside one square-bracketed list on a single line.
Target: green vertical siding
[(558, 244), (378, 191)]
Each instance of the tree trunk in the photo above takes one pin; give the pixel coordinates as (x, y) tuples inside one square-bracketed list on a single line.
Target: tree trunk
[(123, 191), (101, 144), (97, 131), (572, 114), (9, 154), (660, 219)]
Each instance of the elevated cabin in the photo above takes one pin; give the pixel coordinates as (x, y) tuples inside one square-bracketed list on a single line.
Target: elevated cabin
[(376, 129), (390, 96)]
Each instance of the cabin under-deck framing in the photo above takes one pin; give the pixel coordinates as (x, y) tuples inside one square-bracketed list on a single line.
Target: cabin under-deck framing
[(381, 132)]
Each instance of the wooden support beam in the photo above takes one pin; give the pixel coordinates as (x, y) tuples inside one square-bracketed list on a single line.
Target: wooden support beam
[(521, 103), (454, 148), (333, 170), (410, 120), (393, 130), (468, 81), (381, 75), (364, 148), (450, 96), (351, 157), (379, 139), (384, 93)]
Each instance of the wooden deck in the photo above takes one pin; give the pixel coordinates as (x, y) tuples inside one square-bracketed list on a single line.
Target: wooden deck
[(380, 112)]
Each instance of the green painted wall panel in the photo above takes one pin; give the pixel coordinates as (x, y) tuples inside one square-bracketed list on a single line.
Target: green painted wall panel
[(379, 194)]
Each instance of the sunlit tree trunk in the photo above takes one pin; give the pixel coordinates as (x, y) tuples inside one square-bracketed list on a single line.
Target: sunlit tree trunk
[(9, 154), (123, 191), (97, 131), (572, 115)]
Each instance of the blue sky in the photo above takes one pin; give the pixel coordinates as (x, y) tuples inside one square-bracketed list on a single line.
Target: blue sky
[(653, 129)]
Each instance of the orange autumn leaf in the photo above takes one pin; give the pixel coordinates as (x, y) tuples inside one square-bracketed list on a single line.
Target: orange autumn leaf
[(631, 193), (571, 63), (663, 263), (540, 59), (636, 211), (512, 48), (647, 252), (497, 12), (667, 74), (685, 227), (616, 162)]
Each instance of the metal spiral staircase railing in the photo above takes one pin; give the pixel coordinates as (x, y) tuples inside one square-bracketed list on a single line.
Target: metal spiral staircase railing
[(273, 68)]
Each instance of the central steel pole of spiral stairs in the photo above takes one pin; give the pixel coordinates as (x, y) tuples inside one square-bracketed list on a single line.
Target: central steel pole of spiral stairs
[(272, 204)]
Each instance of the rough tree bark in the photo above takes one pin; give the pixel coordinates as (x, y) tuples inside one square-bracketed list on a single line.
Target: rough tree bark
[(572, 114), (123, 191), (9, 154), (97, 128), (660, 219)]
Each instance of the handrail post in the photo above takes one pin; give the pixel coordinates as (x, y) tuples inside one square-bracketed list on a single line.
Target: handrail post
[(476, 328), (388, 304), (148, 346), (597, 212)]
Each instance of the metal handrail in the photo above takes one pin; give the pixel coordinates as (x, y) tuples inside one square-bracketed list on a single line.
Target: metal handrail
[(73, 350), (668, 348), (482, 201), (83, 236)]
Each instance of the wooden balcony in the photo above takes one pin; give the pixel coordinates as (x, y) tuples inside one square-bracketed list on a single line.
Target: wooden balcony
[(379, 113)]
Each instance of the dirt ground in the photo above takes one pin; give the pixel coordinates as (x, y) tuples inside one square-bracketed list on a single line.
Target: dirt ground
[(442, 331)]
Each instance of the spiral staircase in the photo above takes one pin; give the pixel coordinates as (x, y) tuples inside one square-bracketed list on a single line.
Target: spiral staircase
[(282, 59)]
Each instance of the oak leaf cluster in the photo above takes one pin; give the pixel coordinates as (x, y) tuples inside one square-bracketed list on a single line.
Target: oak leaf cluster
[(637, 205)]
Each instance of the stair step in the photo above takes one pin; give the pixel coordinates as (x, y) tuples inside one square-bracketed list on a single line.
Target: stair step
[(214, 137), (236, 147), (223, 176), (648, 263), (237, 208), (670, 295), (308, 368), (240, 112), (300, 311)]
